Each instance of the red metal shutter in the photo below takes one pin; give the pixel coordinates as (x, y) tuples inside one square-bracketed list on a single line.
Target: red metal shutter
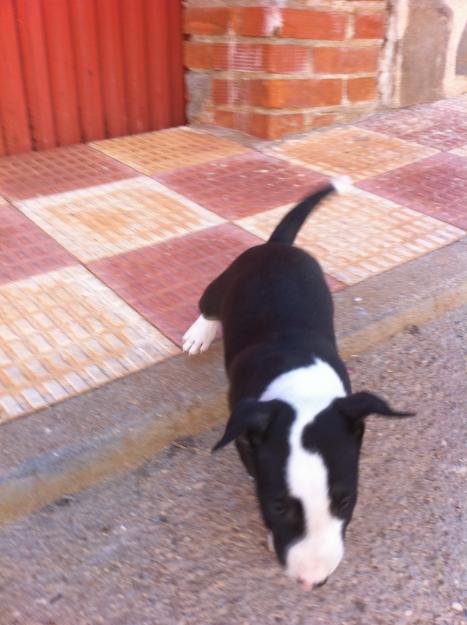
[(81, 70)]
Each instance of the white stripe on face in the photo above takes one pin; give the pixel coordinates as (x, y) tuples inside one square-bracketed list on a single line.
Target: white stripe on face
[(317, 555), (309, 390)]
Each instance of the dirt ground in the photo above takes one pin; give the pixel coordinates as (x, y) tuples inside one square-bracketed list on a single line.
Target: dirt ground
[(179, 541)]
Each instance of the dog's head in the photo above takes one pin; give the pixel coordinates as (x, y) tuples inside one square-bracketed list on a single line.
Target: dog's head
[(306, 472)]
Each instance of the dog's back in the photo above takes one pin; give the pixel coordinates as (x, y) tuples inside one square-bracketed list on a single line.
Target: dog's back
[(277, 292)]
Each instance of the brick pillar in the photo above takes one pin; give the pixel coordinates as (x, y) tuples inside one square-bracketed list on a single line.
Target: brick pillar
[(275, 70)]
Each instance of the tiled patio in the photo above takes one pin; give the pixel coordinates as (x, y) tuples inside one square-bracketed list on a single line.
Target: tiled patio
[(105, 248)]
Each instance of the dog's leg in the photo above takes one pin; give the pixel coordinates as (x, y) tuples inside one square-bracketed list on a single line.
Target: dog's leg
[(201, 334)]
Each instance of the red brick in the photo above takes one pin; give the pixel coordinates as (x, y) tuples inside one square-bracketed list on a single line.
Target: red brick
[(370, 25), (238, 120), (285, 59), (206, 21), (229, 91), (294, 93), (227, 119), (220, 91), (305, 24), (239, 56), (319, 121), (197, 54), (256, 57), (361, 89), (269, 126), (345, 60), (252, 22), (264, 125), (315, 92)]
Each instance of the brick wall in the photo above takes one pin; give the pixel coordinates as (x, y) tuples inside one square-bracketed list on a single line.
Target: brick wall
[(275, 70)]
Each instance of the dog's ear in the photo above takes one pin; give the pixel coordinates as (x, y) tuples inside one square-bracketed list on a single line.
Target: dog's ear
[(359, 405), (250, 415)]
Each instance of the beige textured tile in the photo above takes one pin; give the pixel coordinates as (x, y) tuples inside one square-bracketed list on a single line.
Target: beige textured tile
[(359, 235), (113, 218), (158, 151), (64, 332), (356, 152)]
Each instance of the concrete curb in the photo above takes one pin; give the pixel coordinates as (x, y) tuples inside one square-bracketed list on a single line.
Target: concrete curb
[(73, 445)]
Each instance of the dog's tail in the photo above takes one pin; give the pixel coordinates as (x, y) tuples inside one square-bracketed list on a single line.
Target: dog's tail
[(287, 229)]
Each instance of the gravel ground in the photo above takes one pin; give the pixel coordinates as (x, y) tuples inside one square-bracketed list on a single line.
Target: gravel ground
[(179, 541)]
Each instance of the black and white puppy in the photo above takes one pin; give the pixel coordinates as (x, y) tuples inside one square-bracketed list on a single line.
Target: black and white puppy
[(296, 424)]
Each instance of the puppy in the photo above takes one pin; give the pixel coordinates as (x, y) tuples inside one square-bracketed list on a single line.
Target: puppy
[(296, 424)]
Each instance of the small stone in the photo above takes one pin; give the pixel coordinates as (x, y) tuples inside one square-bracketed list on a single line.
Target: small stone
[(457, 607), (56, 598)]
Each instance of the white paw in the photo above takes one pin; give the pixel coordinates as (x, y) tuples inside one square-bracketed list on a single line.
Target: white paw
[(200, 335)]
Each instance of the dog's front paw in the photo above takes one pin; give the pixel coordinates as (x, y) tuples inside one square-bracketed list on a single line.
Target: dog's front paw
[(200, 335)]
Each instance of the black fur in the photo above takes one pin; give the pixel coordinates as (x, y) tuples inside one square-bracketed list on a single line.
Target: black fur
[(277, 315)]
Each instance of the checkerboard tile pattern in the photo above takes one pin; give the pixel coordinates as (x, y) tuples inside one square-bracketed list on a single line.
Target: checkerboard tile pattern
[(360, 235), (164, 282), (435, 186), (64, 332), (25, 249), (436, 127), (109, 219), (458, 103), (243, 185), (154, 152), (152, 244), (356, 152), (56, 171)]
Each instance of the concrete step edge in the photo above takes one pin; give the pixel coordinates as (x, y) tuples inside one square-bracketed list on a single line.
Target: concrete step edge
[(366, 314)]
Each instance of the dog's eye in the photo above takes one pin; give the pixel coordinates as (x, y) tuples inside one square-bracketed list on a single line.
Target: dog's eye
[(279, 508)]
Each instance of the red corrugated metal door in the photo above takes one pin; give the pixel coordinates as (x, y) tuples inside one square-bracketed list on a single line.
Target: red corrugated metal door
[(81, 70)]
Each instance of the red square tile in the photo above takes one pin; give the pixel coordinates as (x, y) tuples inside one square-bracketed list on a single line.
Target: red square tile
[(443, 126), (164, 282), (54, 171), (26, 250), (243, 185), (436, 186)]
